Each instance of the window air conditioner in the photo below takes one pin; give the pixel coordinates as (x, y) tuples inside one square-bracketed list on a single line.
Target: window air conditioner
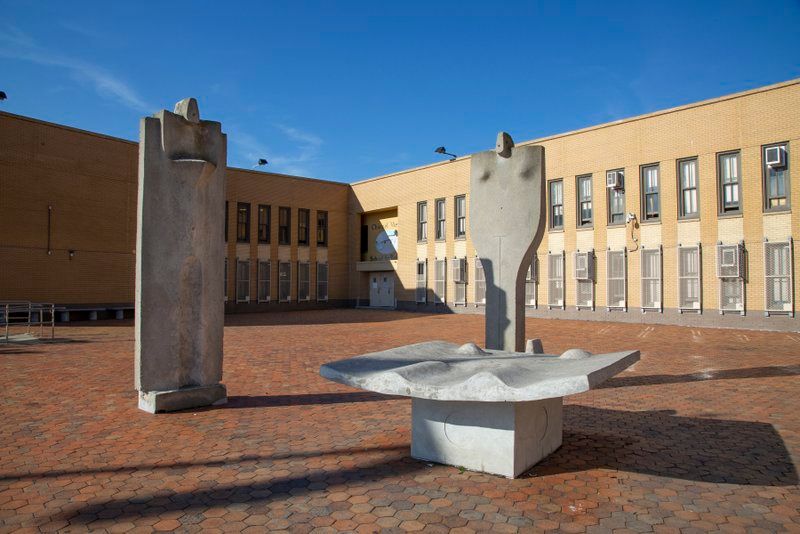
[(459, 268), (583, 266), (614, 179), (775, 156), (729, 261)]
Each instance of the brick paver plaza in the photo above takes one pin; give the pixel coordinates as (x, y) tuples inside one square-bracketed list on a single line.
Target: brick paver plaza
[(702, 434)]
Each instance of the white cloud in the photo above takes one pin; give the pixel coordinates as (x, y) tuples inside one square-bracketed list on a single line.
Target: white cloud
[(15, 44), (300, 160)]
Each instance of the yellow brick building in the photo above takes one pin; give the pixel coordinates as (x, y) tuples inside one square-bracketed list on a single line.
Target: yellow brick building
[(710, 241)]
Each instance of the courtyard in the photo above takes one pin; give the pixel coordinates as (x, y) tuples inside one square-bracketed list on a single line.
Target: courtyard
[(702, 434)]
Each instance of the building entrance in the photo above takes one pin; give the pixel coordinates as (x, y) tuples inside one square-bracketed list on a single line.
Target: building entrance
[(381, 289)]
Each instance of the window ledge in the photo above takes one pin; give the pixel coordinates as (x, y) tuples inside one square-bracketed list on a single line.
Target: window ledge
[(460, 238), (738, 214), (688, 219), (616, 225), (585, 227), (650, 223), (777, 212), (555, 230)]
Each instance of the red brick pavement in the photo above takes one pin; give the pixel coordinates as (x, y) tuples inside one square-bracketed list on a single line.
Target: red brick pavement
[(702, 434)]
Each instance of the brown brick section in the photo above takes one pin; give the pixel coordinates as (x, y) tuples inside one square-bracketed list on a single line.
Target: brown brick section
[(702, 434), (90, 181)]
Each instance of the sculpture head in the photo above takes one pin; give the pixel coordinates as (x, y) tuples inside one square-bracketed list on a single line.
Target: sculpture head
[(504, 145), (187, 108)]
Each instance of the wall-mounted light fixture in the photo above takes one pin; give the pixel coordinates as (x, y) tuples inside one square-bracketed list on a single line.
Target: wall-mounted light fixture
[(3, 95), (71, 253), (442, 150), (261, 163)]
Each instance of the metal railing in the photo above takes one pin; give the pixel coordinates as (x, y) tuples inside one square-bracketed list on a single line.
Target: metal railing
[(29, 315)]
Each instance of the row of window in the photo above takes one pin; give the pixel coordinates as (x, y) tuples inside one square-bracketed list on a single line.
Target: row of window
[(731, 274), (284, 224), (776, 186), (263, 282), (440, 205)]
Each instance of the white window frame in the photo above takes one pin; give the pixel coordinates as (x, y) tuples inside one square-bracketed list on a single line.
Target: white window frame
[(659, 304), (683, 276), (461, 216), (584, 196), (440, 208), (303, 281), (480, 283), (788, 308), (285, 284), (688, 171), (555, 197), (650, 184), (726, 171), (610, 278), (440, 282), (421, 292), (422, 221), (264, 281), (551, 280)]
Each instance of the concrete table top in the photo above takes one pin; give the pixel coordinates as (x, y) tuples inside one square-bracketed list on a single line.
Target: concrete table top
[(438, 370)]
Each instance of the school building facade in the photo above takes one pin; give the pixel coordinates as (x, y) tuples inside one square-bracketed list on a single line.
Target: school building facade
[(680, 216)]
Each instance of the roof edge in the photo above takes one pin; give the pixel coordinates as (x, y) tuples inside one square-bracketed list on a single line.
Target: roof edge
[(701, 103)]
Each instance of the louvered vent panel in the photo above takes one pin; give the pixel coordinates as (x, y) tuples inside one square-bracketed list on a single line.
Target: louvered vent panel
[(778, 276), (616, 278), (555, 280)]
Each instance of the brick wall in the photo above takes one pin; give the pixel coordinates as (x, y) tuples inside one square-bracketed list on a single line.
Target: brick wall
[(89, 180), (742, 122)]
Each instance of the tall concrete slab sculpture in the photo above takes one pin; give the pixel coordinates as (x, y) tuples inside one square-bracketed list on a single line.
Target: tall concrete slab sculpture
[(507, 204), (180, 260)]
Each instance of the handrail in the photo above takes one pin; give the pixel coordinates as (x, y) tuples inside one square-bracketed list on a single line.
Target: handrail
[(28, 314)]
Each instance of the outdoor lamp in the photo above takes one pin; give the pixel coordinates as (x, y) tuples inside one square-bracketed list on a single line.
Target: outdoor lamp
[(442, 150)]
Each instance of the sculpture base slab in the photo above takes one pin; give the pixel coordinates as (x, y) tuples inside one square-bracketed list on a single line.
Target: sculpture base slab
[(502, 438), (182, 399)]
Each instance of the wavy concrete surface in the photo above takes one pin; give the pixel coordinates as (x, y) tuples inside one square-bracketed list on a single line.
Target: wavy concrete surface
[(445, 371)]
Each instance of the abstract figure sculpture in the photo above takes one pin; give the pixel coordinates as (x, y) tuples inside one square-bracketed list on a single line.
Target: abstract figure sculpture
[(506, 225), (497, 410), (179, 260)]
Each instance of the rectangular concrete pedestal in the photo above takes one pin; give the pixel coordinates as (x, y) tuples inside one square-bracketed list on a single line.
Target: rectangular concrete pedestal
[(182, 399), (503, 438)]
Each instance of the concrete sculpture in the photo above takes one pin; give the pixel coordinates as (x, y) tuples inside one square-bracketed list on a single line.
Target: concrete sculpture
[(179, 260), (506, 225), (496, 410), (486, 410)]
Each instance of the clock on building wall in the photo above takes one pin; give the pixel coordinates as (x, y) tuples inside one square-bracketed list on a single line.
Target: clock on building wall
[(386, 242)]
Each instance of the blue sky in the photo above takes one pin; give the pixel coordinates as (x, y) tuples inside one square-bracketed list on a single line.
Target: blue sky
[(351, 90)]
